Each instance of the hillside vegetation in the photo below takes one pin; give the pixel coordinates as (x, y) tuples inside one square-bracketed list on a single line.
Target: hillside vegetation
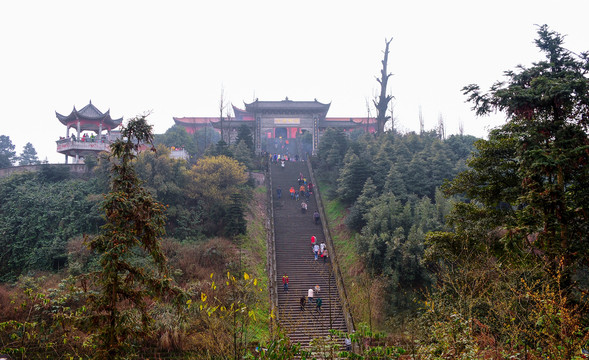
[(495, 265)]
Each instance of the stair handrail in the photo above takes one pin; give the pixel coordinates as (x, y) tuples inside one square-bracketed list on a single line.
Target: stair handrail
[(332, 254), (271, 253)]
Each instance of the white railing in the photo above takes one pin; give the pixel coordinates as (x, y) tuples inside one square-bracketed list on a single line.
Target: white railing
[(69, 144)]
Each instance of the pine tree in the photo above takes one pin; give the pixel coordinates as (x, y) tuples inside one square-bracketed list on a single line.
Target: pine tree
[(355, 219), (134, 225), (244, 133), (543, 177), (28, 155), (352, 177), (7, 153), (236, 222)]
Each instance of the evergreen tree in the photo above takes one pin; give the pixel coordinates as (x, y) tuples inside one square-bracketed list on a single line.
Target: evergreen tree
[(355, 219), (395, 184), (332, 149), (205, 138), (244, 133), (417, 178), (544, 177), (441, 165), (352, 177), (220, 149), (134, 223), (236, 222), (382, 164), (28, 155), (7, 153), (242, 153)]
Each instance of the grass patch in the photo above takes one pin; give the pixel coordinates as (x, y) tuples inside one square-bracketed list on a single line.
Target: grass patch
[(351, 266), (255, 248)]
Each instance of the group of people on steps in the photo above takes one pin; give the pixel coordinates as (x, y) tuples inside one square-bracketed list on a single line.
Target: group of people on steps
[(303, 191)]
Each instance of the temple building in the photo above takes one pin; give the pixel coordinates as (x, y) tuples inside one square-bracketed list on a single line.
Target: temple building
[(277, 125), (93, 132)]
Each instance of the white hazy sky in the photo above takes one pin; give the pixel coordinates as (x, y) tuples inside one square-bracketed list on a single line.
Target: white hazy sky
[(175, 57)]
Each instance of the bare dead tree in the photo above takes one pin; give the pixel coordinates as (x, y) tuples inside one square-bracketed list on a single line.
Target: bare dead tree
[(421, 125), (222, 107), (461, 128), (367, 114), (392, 117), (382, 103), (229, 128), (441, 127)]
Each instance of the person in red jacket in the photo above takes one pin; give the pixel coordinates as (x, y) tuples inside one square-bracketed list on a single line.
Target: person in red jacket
[(285, 282)]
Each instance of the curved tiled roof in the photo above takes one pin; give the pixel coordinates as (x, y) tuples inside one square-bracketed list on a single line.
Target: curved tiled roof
[(195, 120), (91, 114), (286, 105)]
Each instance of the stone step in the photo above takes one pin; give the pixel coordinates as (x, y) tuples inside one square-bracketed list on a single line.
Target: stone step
[(293, 230)]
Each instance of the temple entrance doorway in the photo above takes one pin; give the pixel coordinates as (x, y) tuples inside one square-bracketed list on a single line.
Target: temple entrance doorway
[(280, 133)]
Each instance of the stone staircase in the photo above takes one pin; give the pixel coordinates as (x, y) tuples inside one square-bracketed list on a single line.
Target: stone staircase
[(294, 257)]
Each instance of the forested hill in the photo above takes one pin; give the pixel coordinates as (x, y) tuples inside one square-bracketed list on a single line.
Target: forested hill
[(390, 187), (43, 213)]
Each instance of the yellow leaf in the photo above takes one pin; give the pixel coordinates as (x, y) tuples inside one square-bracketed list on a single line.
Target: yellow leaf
[(255, 282), (246, 276), (203, 297)]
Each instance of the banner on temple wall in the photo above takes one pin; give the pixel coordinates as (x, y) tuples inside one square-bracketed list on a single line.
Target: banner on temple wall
[(287, 121)]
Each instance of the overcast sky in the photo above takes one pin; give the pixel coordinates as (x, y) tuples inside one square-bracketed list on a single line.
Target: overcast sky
[(175, 57)]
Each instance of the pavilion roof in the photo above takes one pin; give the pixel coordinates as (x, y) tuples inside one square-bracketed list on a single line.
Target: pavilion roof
[(91, 114), (242, 115)]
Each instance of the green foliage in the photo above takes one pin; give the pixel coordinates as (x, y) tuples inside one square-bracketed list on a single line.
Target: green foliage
[(227, 308), (355, 219), (37, 218), (514, 267), (236, 223), (243, 153), (392, 210), (214, 179), (53, 173), (167, 179), (244, 133), (7, 153), (42, 321), (368, 344), (278, 349), (177, 137), (134, 222), (544, 150), (221, 148), (205, 138), (351, 178), (332, 150), (28, 155)]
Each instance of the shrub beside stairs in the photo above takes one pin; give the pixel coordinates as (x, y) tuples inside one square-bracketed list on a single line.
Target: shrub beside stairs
[(294, 257)]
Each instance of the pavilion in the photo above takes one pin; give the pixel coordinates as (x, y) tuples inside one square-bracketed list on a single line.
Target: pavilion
[(93, 132)]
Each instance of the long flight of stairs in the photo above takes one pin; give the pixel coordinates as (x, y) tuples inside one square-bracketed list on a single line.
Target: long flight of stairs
[(294, 257)]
